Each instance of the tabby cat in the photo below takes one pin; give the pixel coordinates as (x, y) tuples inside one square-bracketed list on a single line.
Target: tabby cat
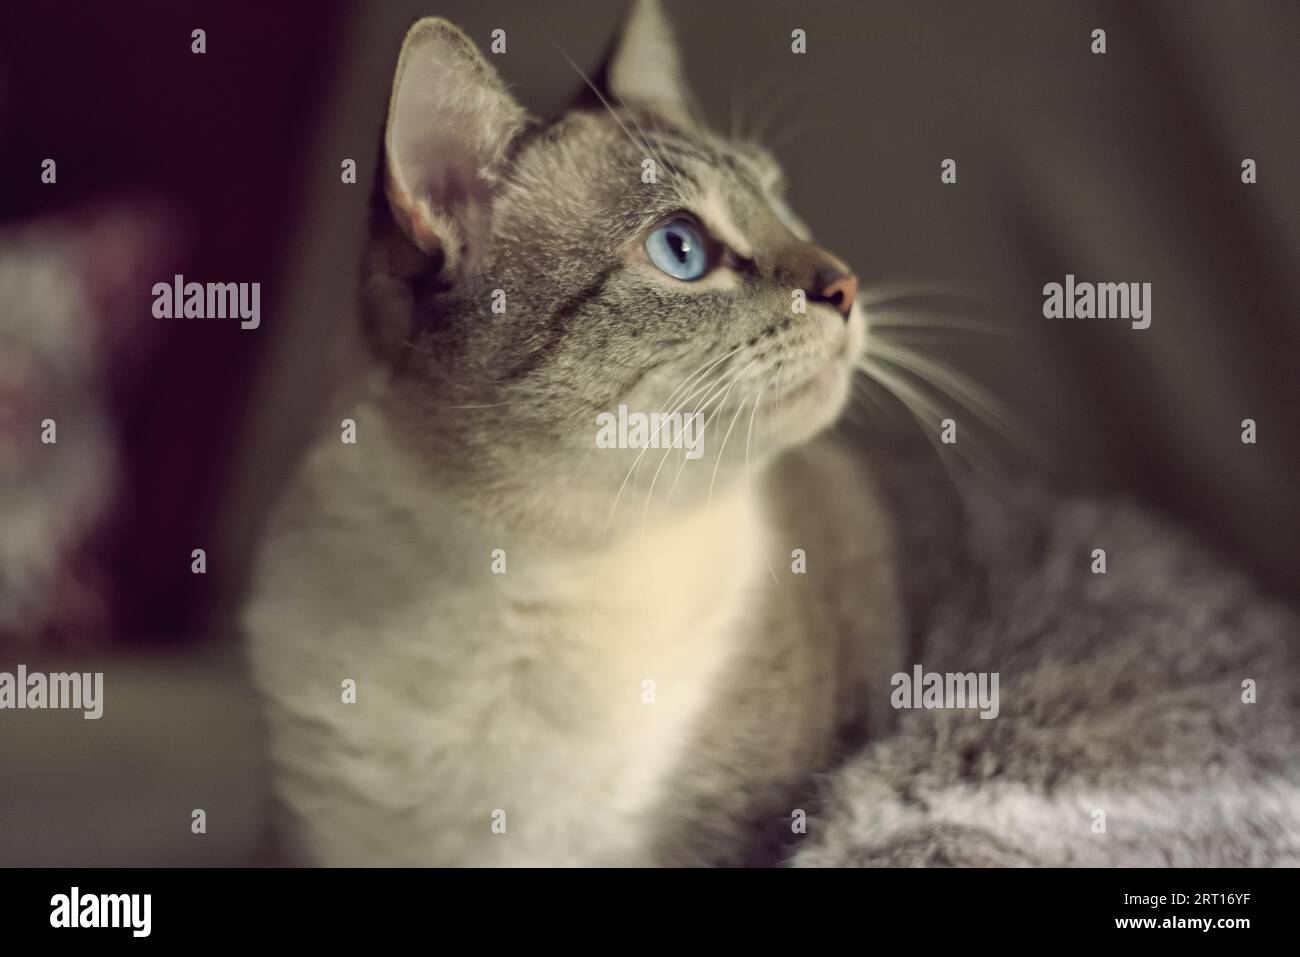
[(485, 638)]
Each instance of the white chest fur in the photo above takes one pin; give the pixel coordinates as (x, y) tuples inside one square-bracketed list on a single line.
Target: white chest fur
[(529, 717)]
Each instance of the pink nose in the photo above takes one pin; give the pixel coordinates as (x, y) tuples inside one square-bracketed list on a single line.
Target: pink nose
[(840, 290)]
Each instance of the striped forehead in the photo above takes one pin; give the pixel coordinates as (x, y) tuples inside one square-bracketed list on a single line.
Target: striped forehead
[(720, 186), (721, 183)]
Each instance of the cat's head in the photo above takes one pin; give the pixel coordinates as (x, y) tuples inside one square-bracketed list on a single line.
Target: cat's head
[(536, 283)]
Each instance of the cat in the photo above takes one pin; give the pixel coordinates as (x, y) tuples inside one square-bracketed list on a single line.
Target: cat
[(484, 639)]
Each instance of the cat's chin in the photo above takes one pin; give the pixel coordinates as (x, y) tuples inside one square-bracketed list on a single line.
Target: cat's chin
[(807, 406), (813, 399)]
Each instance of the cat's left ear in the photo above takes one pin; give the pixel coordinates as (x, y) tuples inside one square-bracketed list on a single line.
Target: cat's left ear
[(450, 122), (645, 68)]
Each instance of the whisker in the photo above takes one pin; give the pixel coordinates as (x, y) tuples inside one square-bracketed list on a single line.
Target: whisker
[(703, 370), (891, 384), (645, 139), (637, 461), (749, 475), (699, 376), (708, 400), (921, 409), (718, 462), (793, 133), (863, 391), (756, 94), (881, 293), (931, 320), (703, 430), (775, 106), (641, 146), (966, 392)]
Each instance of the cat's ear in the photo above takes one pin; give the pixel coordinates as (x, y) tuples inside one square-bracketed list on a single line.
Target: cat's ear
[(450, 122), (645, 69)]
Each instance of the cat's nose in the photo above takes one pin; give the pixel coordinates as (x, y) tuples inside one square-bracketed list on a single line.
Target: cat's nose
[(838, 287), (821, 276)]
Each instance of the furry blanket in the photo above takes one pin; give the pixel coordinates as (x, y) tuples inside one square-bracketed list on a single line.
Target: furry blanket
[(1148, 714)]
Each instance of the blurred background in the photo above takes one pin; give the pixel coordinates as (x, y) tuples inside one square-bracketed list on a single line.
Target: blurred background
[(225, 166)]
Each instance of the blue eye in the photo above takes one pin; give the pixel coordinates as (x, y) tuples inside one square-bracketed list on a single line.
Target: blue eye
[(678, 249)]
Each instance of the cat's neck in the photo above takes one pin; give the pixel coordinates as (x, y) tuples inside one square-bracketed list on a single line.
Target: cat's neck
[(681, 570), (601, 659)]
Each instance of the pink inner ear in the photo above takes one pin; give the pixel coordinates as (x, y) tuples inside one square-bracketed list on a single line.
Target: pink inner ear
[(448, 126), (413, 216)]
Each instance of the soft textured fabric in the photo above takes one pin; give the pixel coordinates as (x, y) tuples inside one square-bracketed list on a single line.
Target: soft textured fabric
[(1123, 736)]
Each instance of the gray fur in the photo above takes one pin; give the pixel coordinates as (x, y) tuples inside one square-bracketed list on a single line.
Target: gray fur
[(1121, 692), (1115, 687), (582, 332)]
